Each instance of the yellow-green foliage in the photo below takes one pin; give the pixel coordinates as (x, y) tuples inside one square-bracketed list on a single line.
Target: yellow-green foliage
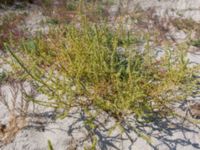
[(82, 65)]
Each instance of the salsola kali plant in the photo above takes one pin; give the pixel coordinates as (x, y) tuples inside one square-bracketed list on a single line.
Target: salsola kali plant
[(94, 65)]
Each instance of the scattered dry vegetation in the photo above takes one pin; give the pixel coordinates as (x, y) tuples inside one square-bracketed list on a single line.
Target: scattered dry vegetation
[(9, 27), (17, 108)]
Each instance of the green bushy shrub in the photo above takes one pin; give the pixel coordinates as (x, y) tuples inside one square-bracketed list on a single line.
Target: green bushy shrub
[(94, 65)]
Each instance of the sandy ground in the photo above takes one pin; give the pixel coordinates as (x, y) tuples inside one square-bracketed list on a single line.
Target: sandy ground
[(40, 124)]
